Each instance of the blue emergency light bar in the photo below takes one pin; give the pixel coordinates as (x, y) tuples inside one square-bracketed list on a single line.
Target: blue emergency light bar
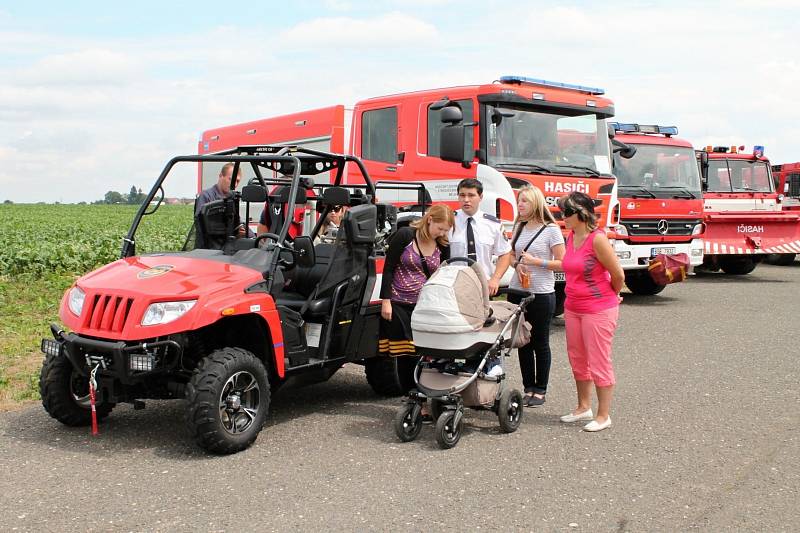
[(758, 150), (624, 128), (556, 84), (642, 128)]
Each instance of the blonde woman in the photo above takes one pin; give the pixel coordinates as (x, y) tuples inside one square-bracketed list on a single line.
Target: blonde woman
[(538, 247)]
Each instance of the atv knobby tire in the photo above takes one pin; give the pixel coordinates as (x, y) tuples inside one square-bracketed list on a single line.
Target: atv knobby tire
[(390, 376), (65, 393), (228, 399)]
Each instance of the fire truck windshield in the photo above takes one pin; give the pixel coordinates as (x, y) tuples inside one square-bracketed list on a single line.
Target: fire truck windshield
[(738, 175), (523, 138), (658, 171)]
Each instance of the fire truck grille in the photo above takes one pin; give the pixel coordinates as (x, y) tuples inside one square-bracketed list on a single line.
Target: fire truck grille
[(794, 185), (641, 228), (107, 312)]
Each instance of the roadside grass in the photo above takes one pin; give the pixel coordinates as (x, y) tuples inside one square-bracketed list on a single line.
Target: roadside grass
[(28, 304)]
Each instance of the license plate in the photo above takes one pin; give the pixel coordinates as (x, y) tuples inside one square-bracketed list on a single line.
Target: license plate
[(663, 250), (559, 276)]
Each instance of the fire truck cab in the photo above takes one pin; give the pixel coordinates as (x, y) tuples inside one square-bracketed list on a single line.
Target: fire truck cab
[(787, 183), (508, 133), (661, 206), (743, 215)]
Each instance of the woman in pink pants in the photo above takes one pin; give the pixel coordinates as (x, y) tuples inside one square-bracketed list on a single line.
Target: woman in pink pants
[(594, 280)]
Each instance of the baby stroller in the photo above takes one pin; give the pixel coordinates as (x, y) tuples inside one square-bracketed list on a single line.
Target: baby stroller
[(461, 337)]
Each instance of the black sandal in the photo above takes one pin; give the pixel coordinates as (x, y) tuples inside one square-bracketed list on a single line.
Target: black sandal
[(534, 401)]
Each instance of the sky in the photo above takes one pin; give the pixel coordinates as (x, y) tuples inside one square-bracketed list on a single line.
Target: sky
[(96, 96)]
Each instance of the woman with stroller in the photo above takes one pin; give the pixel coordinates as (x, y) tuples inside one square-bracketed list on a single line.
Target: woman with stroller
[(538, 248), (594, 281), (415, 252)]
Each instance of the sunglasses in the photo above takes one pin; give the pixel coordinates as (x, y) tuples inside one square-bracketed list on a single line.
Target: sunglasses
[(336, 208), (568, 211)]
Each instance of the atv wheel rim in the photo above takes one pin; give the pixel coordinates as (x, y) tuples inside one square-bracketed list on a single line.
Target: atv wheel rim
[(239, 402), (79, 389)]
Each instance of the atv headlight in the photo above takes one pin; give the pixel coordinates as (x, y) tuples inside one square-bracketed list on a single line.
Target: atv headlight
[(164, 312), (75, 300)]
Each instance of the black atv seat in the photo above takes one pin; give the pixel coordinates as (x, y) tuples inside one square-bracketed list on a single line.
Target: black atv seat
[(341, 265), (304, 281)]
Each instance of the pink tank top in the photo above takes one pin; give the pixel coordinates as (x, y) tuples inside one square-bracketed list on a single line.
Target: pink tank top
[(588, 282)]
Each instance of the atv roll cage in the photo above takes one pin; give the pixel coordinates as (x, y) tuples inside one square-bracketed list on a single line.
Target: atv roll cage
[(290, 161)]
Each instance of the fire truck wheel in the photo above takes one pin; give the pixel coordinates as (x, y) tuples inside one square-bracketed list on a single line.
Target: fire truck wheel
[(640, 282), (228, 399), (780, 259), (738, 266), (65, 393), (390, 376), (560, 297)]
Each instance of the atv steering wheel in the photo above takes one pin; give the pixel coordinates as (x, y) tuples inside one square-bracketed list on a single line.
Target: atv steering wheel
[(288, 265), (262, 236)]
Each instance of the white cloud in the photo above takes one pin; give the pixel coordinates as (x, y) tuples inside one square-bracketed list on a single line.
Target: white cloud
[(106, 113), (95, 66), (391, 29)]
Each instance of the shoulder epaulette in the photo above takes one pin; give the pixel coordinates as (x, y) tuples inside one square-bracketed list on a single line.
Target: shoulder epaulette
[(493, 218)]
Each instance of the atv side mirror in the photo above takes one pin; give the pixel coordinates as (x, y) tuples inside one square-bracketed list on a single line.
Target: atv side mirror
[(304, 251)]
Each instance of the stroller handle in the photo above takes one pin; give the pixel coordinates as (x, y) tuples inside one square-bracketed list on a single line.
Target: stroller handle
[(525, 296), (466, 260)]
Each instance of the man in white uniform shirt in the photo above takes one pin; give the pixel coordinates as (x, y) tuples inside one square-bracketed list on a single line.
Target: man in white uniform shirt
[(479, 235)]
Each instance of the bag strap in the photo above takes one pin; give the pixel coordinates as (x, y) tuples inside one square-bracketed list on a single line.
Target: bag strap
[(534, 238), (422, 258)]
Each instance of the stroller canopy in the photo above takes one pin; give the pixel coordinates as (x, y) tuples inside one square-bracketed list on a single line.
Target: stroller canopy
[(454, 300)]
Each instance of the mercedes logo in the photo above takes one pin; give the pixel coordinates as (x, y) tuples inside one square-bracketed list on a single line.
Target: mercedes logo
[(663, 226)]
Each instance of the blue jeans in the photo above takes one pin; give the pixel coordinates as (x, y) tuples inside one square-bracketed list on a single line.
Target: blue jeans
[(534, 357)]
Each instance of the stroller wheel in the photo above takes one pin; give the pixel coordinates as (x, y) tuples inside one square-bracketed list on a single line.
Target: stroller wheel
[(448, 432), (509, 410), (406, 425)]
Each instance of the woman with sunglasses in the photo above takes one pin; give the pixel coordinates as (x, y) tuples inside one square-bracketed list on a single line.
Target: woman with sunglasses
[(594, 281), (332, 222)]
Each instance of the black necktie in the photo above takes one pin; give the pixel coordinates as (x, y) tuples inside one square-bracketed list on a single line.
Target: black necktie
[(471, 241)]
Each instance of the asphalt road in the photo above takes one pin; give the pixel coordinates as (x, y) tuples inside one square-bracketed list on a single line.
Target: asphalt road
[(705, 437)]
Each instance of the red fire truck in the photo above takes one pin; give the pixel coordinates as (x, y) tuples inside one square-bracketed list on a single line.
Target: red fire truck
[(787, 183), (743, 216), (660, 198), (513, 131)]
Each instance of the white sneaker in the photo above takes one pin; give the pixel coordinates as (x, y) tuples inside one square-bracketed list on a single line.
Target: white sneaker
[(594, 425), (586, 415)]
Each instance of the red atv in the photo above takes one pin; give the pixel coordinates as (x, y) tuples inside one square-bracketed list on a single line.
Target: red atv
[(228, 318)]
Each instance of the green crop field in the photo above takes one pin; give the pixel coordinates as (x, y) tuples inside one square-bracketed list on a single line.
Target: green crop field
[(43, 249)]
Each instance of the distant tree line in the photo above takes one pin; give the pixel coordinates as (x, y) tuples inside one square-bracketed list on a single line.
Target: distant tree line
[(134, 197)]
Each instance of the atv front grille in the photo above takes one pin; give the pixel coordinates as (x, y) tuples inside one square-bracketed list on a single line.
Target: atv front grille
[(107, 312)]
